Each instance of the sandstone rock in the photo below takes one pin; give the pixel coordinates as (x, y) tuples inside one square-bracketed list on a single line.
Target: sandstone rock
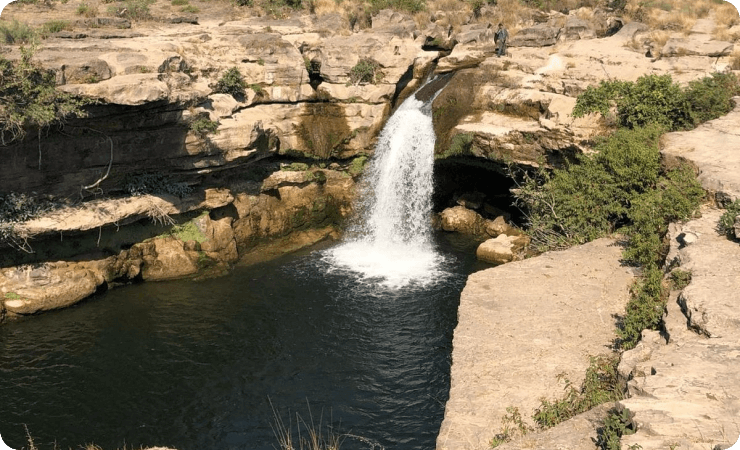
[(501, 249), (460, 58), (169, 261), (630, 30), (28, 290), (684, 47), (438, 37), (219, 243), (499, 226), (462, 220), (711, 149), (89, 71), (390, 21), (576, 433), (576, 28), (520, 325), (131, 90), (283, 178), (540, 35), (478, 33), (686, 399)]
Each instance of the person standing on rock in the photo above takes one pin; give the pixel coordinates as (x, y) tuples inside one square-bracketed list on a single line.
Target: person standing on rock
[(500, 38)]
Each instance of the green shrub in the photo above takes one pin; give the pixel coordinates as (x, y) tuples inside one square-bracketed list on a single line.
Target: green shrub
[(295, 167), (87, 10), (590, 196), (411, 6), (204, 126), (16, 33), (190, 9), (644, 310), (656, 99), (366, 70), (726, 225), (600, 385), (231, 83), (711, 97), (132, 9), (616, 424), (357, 166), (652, 99), (54, 26), (30, 98), (680, 279), (512, 425)]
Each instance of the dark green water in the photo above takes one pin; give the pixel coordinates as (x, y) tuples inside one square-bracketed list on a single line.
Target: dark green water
[(194, 365)]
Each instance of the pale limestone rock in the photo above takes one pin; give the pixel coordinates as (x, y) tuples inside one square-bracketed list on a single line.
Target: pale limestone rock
[(499, 226), (520, 325), (686, 47), (501, 249), (687, 400), (712, 149), (97, 213), (462, 57), (284, 178), (462, 220), (220, 106), (32, 289), (540, 35), (576, 433), (136, 89)]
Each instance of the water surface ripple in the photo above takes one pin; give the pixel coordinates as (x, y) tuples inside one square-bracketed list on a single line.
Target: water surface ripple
[(194, 365)]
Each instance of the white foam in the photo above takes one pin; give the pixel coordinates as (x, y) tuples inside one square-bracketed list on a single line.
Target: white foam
[(393, 243)]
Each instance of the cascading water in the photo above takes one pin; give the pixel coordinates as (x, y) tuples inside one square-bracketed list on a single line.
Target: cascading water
[(393, 240)]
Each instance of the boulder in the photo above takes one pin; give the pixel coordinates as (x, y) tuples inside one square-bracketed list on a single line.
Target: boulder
[(461, 57), (576, 28), (501, 249), (169, 260), (499, 226), (540, 35), (219, 243), (462, 220)]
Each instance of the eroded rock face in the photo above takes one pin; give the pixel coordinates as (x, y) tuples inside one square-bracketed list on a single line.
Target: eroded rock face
[(514, 337), (43, 287), (682, 392)]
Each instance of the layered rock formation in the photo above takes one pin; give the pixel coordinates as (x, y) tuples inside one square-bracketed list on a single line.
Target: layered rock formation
[(523, 324)]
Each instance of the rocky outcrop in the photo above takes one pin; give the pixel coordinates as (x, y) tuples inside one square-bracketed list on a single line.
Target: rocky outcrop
[(682, 391), (712, 149), (521, 325)]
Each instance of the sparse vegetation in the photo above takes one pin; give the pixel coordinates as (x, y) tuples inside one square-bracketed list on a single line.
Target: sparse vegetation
[(357, 166), (365, 71), (155, 183), (204, 126), (617, 424), (16, 32), (16, 208), (680, 279), (87, 10), (600, 385), (726, 225), (190, 9), (132, 9), (30, 98), (512, 425), (231, 82)]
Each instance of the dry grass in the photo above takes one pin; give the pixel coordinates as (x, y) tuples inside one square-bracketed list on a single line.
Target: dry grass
[(681, 15)]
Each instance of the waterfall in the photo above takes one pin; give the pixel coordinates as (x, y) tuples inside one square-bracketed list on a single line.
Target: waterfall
[(392, 242)]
